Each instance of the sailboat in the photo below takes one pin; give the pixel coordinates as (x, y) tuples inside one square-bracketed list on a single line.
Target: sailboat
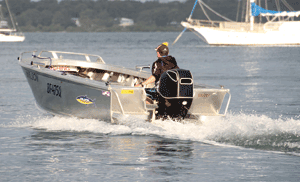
[(278, 28), (9, 34)]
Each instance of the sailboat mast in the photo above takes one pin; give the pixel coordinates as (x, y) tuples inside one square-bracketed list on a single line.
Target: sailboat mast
[(251, 16), (11, 18), (1, 14)]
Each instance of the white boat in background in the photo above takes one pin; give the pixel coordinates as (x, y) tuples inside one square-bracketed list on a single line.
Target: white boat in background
[(278, 28), (9, 34)]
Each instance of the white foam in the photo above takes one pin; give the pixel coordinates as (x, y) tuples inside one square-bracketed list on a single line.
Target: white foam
[(235, 127)]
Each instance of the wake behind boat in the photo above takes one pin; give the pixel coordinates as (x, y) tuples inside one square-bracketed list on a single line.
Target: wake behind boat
[(279, 27), (84, 86)]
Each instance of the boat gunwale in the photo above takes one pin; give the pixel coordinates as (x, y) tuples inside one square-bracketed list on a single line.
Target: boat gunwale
[(85, 64)]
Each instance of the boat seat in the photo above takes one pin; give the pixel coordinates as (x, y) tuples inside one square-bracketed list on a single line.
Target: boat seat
[(106, 76), (121, 78), (130, 81)]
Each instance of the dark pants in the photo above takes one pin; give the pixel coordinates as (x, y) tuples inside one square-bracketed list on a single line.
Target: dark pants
[(151, 95)]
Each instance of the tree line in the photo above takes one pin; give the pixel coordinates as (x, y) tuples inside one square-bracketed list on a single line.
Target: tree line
[(104, 15)]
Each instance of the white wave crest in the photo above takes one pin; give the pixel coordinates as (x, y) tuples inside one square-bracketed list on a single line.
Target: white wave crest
[(232, 128)]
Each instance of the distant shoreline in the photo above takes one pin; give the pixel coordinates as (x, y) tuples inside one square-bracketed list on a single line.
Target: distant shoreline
[(134, 28), (106, 32)]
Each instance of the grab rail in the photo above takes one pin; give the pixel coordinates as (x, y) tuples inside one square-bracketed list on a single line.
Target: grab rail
[(227, 105), (21, 55), (87, 56), (55, 56)]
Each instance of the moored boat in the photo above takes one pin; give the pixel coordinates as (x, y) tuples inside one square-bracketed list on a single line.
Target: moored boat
[(84, 86), (271, 28), (11, 36), (8, 34)]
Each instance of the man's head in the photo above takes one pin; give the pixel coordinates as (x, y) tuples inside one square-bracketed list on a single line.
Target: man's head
[(162, 49)]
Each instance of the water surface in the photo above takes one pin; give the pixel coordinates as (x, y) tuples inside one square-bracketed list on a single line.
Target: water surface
[(259, 139)]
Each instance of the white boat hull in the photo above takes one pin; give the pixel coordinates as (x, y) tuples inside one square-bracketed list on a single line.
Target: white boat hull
[(11, 38), (287, 34)]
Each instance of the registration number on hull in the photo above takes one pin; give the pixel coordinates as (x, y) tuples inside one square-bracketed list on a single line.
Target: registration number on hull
[(54, 89)]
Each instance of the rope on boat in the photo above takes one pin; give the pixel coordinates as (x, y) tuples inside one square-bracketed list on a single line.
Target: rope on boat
[(185, 27), (243, 17), (278, 7), (214, 11), (288, 5), (237, 12), (204, 12), (193, 9), (197, 35)]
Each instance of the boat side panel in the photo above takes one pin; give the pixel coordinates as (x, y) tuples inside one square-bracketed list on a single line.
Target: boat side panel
[(129, 100), (207, 102), (66, 97)]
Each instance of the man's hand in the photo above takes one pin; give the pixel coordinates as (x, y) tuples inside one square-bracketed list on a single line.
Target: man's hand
[(138, 85)]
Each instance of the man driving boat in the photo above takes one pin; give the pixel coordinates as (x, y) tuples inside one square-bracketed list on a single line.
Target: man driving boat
[(163, 63)]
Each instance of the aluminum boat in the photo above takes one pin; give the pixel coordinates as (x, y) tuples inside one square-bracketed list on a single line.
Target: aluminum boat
[(84, 86)]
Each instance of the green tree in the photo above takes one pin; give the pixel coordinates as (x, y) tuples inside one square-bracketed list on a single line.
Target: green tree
[(46, 17), (30, 17), (51, 5), (145, 17), (62, 19), (160, 16), (19, 6)]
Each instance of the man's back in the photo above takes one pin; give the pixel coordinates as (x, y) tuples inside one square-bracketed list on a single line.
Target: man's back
[(163, 64)]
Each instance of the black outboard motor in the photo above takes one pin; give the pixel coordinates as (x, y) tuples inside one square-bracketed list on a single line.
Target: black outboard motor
[(175, 92)]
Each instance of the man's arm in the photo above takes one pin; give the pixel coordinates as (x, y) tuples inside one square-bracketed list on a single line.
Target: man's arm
[(151, 79)]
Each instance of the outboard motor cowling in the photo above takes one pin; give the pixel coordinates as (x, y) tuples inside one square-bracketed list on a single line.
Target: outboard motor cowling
[(175, 93)]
